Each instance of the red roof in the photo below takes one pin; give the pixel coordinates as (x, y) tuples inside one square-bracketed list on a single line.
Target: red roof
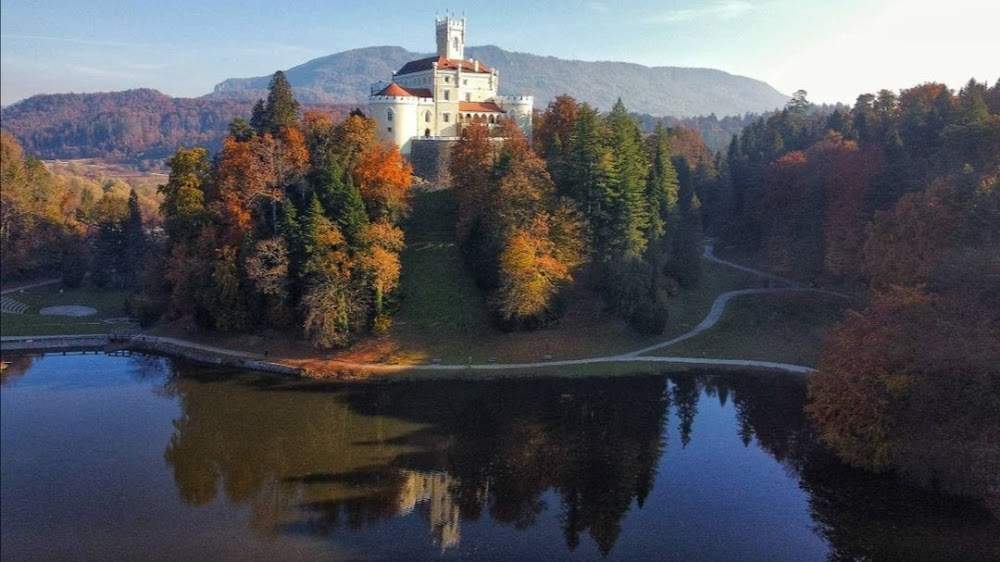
[(479, 107), (442, 63), (396, 90)]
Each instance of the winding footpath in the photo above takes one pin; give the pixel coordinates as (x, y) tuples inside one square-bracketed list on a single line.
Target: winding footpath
[(713, 316), (258, 361)]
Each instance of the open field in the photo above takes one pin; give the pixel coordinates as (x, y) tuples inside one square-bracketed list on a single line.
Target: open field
[(109, 305), (787, 328)]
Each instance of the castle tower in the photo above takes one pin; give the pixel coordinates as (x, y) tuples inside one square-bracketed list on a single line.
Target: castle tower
[(451, 38)]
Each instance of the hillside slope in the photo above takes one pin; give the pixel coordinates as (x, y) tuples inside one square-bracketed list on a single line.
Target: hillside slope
[(666, 91)]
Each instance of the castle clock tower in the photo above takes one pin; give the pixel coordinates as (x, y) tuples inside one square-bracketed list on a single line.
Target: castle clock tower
[(451, 38)]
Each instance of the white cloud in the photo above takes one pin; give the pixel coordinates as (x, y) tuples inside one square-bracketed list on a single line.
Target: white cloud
[(726, 9)]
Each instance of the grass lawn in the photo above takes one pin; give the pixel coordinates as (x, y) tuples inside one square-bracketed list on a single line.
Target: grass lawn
[(109, 304), (442, 316), (787, 328)]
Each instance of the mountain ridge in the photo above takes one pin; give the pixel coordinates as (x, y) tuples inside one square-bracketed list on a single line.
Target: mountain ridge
[(346, 77)]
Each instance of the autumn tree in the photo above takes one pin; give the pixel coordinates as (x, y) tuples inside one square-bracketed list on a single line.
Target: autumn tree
[(183, 206), (32, 225), (384, 178)]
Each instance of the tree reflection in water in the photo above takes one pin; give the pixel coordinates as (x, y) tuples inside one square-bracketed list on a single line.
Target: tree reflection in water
[(318, 458)]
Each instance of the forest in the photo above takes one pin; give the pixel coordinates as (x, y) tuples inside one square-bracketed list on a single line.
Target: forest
[(143, 128), (295, 224), (896, 198)]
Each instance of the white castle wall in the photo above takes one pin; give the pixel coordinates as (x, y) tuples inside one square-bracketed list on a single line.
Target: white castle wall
[(405, 121)]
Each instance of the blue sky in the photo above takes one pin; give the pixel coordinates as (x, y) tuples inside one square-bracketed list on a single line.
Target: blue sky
[(835, 50)]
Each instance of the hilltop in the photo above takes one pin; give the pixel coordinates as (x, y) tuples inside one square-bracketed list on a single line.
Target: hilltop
[(346, 77)]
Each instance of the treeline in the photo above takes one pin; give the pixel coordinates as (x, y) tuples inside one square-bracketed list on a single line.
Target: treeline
[(139, 127), (292, 224), (590, 191), (715, 132), (898, 194), (55, 225)]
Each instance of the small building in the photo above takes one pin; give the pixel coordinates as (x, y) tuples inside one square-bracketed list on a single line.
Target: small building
[(435, 97)]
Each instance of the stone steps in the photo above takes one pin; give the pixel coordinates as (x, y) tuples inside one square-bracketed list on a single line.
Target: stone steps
[(12, 306)]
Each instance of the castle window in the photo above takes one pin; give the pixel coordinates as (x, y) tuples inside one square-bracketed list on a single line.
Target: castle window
[(454, 43), (427, 133), (468, 96), (427, 117), (446, 117), (388, 115), (389, 129), (447, 79), (447, 95)]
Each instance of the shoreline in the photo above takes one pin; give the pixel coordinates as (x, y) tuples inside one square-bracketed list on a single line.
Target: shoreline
[(379, 372), (632, 361)]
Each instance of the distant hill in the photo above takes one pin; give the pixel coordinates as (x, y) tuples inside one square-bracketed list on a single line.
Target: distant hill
[(141, 128), (144, 127), (133, 126), (665, 91)]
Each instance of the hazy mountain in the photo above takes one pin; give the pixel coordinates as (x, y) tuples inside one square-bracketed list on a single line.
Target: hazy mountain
[(139, 127), (143, 127), (346, 78)]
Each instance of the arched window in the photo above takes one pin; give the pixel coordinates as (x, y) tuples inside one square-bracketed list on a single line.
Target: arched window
[(493, 119), (427, 117), (427, 133), (388, 115)]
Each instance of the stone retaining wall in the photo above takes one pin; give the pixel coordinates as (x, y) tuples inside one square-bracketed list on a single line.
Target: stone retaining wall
[(429, 158)]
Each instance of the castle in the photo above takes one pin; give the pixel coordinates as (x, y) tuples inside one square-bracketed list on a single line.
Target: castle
[(435, 97)]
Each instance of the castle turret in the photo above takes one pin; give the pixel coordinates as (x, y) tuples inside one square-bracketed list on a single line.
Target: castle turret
[(451, 38)]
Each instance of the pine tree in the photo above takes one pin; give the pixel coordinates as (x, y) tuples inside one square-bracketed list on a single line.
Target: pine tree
[(281, 108), (258, 118), (342, 201), (134, 242), (628, 187), (661, 187), (590, 178)]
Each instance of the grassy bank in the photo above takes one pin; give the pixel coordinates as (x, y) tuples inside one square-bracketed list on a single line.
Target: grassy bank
[(787, 328), (109, 305)]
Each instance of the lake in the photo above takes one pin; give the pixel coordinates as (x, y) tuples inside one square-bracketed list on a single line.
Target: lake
[(148, 458)]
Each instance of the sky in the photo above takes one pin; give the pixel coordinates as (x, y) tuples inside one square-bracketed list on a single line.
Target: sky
[(832, 49)]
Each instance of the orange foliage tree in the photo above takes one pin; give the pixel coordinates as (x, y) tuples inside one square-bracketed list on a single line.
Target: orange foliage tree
[(384, 179)]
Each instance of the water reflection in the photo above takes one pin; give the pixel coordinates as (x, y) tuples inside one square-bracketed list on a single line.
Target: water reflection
[(318, 460), (124, 458)]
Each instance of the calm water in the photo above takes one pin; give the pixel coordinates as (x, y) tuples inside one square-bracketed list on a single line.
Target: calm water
[(148, 458)]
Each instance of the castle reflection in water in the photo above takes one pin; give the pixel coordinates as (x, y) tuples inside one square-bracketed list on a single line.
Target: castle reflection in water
[(434, 490)]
